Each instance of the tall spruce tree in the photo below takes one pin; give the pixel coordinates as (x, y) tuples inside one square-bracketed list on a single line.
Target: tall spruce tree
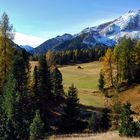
[(7, 112), (57, 86), (20, 74), (14, 124), (45, 88), (45, 80), (35, 89), (70, 118)]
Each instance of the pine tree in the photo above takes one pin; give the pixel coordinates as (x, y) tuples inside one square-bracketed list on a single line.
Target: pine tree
[(126, 59), (20, 74), (11, 111), (45, 87), (35, 89), (6, 49), (71, 112), (127, 126), (45, 80), (57, 86), (36, 127)]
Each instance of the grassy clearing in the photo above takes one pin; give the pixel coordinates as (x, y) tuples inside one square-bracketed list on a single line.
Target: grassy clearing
[(102, 136), (91, 99), (86, 80)]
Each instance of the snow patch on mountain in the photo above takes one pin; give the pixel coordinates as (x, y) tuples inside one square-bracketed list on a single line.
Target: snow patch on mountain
[(109, 34)]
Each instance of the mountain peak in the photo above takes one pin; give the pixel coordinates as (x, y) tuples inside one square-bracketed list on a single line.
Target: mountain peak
[(107, 34)]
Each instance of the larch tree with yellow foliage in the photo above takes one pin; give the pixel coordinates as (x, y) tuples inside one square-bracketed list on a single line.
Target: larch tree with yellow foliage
[(108, 68), (51, 59), (6, 50)]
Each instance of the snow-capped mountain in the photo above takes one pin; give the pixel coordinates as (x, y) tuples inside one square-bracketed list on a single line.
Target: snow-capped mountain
[(107, 34)]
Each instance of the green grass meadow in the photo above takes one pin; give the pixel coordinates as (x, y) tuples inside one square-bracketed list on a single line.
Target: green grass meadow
[(86, 80)]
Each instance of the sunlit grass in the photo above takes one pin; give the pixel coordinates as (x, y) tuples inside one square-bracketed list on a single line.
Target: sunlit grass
[(86, 80)]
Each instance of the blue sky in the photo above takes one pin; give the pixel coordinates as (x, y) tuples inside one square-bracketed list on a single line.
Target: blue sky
[(38, 20)]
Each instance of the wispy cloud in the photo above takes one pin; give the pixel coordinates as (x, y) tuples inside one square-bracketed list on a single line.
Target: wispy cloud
[(24, 39)]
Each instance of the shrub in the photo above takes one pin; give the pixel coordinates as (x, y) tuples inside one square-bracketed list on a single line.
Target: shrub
[(99, 123), (94, 123)]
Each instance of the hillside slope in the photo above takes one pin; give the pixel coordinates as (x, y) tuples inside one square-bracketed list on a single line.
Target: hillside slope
[(132, 95)]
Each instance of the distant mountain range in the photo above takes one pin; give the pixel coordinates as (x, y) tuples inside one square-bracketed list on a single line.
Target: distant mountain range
[(27, 48), (107, 34)]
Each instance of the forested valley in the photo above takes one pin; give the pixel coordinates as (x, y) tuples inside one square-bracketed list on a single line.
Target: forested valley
[(34, 103)]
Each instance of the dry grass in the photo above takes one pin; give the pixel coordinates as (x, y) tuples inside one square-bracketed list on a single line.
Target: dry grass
[(133, 96), (102, 136)]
